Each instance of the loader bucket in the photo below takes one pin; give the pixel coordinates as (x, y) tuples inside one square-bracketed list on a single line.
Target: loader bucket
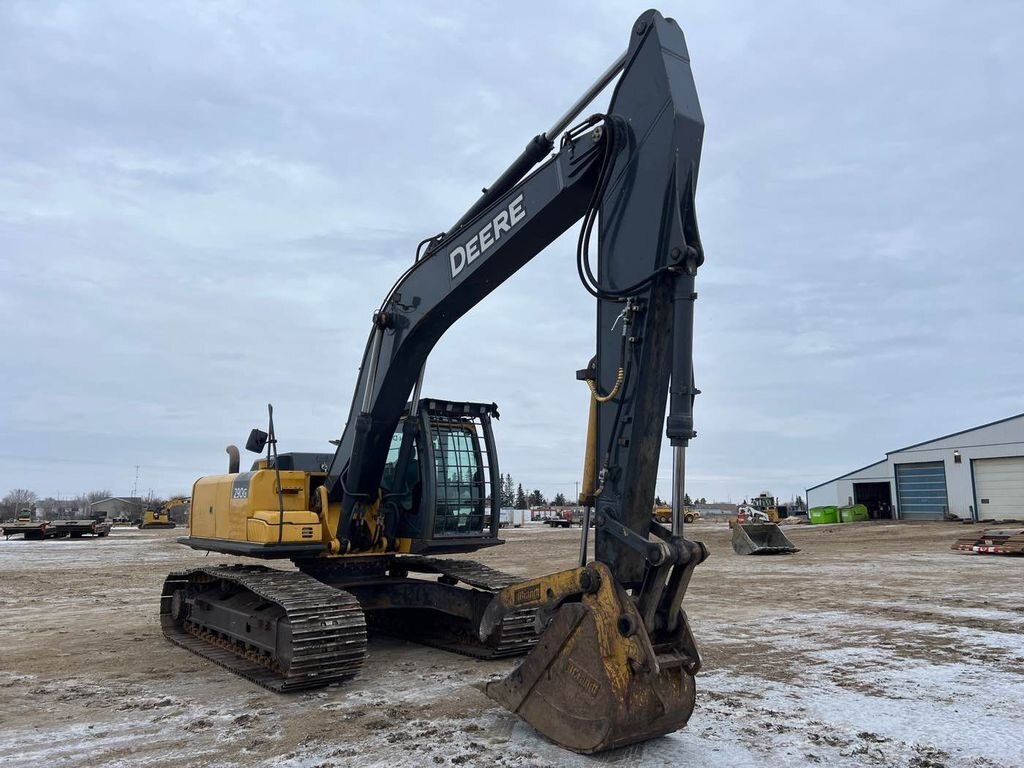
[(761, 539), (594, 682), (993, 541)]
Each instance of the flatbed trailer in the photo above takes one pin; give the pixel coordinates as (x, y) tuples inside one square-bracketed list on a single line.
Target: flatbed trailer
[(57, 529), (78, 528), (993, 541), (29, 529)]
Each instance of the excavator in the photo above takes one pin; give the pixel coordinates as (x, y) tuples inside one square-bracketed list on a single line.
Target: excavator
[(371, 525), (160, 516)]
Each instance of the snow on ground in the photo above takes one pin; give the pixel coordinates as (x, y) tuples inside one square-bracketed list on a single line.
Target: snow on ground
[(873, 647)]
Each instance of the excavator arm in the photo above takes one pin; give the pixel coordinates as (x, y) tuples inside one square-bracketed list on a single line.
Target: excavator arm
[(630, 174), (616, 661), (457, 272)]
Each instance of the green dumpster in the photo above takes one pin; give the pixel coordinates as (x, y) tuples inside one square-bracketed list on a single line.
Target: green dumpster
[(820, 515), (853, 514)]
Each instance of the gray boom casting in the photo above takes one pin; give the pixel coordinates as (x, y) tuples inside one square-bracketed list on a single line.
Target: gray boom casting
[(632, 173)]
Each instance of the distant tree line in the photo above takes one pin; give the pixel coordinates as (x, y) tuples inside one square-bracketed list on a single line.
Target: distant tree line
[(68, 506), (513, 495)]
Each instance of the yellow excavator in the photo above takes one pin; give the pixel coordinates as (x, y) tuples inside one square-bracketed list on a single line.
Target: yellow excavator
[(609, 655), (160, 517)]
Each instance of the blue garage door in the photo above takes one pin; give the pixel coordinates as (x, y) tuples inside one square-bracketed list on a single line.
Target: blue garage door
[(921, 490)]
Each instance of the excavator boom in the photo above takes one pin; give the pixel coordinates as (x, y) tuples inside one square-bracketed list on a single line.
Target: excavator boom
[(413, 476), (631, 175)]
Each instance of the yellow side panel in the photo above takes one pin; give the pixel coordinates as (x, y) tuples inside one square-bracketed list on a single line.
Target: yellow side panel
[(263, 490), (225, 513), (244, 507), (272, 516), (203, 520), (259, 532)]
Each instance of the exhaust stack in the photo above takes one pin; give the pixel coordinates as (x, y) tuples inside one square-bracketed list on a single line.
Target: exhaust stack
[(234, 460)]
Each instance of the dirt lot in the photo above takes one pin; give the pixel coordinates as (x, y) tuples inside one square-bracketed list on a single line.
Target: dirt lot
[(875, 645)]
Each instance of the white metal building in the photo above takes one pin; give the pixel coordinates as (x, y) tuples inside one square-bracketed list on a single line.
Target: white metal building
[(977, 474)]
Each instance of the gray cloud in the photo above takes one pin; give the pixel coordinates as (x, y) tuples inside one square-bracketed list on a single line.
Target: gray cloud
[(201, 206)]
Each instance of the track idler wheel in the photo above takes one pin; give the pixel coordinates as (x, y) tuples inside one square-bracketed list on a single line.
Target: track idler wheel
[(179, 607), (594, 681)]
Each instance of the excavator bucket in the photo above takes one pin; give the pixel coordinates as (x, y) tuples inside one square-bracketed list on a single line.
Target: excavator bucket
[(594, 681), (761, 539), (993, 541)]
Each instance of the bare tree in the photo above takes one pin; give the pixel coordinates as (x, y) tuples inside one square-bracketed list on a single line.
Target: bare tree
[(53, 509), (18, 499), (84, 501)]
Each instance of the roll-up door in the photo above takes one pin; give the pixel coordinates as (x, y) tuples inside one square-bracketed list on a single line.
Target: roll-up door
[(921, 490), (999, 487)]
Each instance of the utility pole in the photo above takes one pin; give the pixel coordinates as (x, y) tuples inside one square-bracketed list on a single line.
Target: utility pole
[(136, 508)]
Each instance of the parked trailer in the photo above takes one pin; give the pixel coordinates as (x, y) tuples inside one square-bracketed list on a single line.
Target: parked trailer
[(514, 518), (78, 528), (29, 529), (993, 541), (57, 529)]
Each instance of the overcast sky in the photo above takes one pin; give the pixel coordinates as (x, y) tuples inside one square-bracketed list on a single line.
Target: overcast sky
[(201, 204)]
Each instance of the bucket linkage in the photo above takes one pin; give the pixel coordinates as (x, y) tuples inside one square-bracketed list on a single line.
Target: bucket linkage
[(610, 668)]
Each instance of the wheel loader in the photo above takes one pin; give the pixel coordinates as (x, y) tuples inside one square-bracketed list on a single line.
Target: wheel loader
[(663, 514), (371, 524)]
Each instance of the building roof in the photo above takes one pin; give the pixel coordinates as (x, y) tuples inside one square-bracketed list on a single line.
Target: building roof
[(847, 474), (125, 499), (954, 434), (916, 445)]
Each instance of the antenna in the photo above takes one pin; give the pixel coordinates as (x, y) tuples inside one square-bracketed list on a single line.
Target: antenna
[(272, 446)]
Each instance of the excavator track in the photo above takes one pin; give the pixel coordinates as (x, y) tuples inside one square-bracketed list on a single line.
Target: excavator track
[(515, 637), (518, 631), (327, 626)]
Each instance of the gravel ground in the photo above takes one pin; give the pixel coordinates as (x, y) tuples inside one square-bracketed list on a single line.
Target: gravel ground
[(874, 646)]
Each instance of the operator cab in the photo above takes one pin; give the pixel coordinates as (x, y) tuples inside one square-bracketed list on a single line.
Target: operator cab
[(443, 497), (454, 449)]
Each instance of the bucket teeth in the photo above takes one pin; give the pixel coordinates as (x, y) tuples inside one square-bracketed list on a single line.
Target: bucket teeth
[(594, 681)]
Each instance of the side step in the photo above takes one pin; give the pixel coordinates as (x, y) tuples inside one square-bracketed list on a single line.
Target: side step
[(326, 626)]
